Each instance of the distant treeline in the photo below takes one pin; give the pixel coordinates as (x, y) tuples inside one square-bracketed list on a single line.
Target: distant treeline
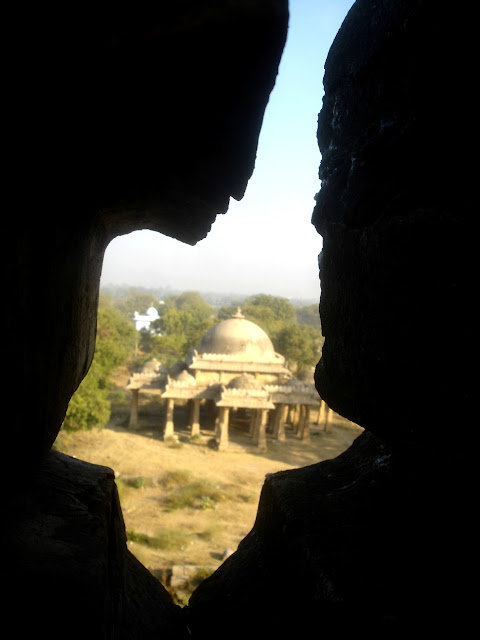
[(295, 330), (213, 298)]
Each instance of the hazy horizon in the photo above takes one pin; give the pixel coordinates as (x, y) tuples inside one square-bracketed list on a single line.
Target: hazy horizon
[(265, 243), (210, 296)]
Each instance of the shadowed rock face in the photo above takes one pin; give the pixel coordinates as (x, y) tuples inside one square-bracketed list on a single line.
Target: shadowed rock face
[(121, 119), (377, 540), (126, 121), (395, 268), (118, 119)]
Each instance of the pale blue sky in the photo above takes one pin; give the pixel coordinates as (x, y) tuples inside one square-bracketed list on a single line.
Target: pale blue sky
[(265, 243)]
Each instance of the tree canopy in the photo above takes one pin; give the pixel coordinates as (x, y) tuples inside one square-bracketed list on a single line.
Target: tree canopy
[(271, 313), (294, 331), (115, 341), (309, 314), (184, 320), (301, 345), (132, 300)]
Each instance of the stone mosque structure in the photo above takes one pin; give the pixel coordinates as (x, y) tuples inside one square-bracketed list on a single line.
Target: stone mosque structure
[(128, 117), (236, 373)]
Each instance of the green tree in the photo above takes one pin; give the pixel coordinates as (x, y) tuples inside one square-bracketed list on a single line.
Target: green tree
[(136, 300), (271, 313), (115, 341), (166, 348), (301, 345), (309, 314), (192, 302), (184, 320), (226, 311), (282, 309), (90, 404)]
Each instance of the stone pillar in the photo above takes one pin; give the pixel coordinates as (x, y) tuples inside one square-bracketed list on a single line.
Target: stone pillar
[(328, 413), (291, 414), (300, 421), (304, 426), (271, 421), (321, 412), (296, 415), (223, 415), (212, 412), (278, 423), (253, 423), (261, 431), (169, 432), (133, 423), (195, 417), (324, 414)]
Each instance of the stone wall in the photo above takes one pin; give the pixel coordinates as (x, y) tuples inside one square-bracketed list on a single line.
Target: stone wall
[(126, 121)]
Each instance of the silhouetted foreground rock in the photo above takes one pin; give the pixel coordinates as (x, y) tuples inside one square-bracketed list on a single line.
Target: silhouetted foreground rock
[(378, 540), (140, 119), (69, 571), (358, 543), (152, 122)]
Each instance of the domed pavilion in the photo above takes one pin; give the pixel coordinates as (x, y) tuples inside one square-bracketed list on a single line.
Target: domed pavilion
[(237, 375)]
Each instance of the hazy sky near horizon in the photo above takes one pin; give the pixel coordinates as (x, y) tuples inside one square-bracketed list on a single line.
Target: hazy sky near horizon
[(265, 243)]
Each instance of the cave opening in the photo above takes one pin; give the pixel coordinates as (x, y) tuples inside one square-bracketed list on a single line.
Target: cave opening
[(254, 249)]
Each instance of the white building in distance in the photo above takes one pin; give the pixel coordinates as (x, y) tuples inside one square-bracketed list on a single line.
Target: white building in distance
[(143, 321)]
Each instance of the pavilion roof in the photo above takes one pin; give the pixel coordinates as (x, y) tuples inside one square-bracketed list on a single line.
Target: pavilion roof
[(294, 392), (245, 398)]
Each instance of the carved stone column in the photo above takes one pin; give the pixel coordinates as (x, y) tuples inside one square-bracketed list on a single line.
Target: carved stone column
[(304, 425), (169, 428), (133, 422), (253, 423), (324, 414), (223, 415), (195, 417), (294, 412), (261, 431), (279, 423)]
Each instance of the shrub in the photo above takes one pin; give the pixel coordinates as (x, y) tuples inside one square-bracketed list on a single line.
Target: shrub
[(210, 532), (176, 477), (200, 494), (167, 539), (202, 574), (135, 483), (173, 442), (90, 405)]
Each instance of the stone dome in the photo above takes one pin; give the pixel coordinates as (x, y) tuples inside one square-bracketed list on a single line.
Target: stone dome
[(238, 336), (244, 381), (153, 366), (185, 378)]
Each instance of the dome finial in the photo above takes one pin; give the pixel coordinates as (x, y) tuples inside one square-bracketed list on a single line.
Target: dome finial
[(238, 314)]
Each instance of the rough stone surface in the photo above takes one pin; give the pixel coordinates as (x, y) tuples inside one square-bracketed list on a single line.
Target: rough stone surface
[(379, 540), (66, 562), (395, 268), (349, 545), (119, 120)]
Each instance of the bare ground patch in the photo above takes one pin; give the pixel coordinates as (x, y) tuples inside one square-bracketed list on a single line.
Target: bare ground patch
[(189, 504)]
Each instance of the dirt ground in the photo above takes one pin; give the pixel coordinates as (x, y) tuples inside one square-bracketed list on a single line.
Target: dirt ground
[(202, 534)]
